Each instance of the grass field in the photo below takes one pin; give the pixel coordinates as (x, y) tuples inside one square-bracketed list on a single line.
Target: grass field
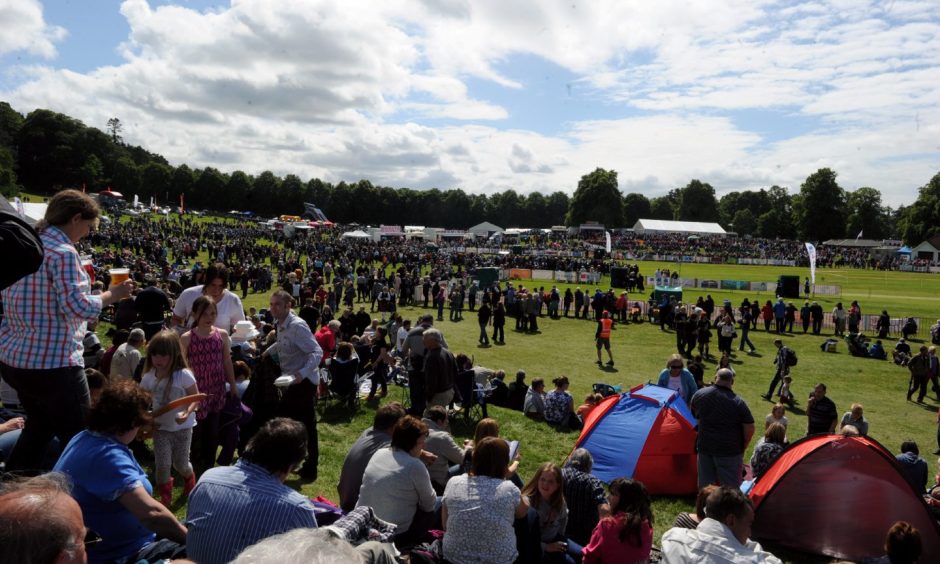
[(565, 347)]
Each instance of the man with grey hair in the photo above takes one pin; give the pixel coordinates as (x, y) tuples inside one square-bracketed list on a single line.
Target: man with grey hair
[(41, 522), (584, 494), (298, 355), (725, 428), (413, 350), (127, 356), (315, 546), (440, 369)]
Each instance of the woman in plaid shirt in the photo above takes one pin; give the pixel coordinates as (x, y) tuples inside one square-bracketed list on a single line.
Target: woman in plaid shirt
[(41, 335)]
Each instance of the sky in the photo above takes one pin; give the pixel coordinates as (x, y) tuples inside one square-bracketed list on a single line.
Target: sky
[(491, 95)]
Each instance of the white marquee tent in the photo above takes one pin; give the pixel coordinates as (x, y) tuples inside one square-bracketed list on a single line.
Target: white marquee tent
[(666, 226)]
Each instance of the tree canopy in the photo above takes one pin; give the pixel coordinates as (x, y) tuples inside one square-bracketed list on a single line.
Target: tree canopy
[(597, 198)]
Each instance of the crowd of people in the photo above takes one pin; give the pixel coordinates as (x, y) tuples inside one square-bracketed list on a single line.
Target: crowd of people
[(187, 364)]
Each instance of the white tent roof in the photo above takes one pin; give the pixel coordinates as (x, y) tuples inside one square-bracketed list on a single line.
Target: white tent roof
[(643, 225), (357, 234), (485, 227)]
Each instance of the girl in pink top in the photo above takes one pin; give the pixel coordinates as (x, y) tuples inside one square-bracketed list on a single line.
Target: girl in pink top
[(627, 535), (206, 348)]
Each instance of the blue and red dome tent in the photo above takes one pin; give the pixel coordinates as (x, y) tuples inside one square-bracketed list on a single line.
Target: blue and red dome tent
[(647, 434)]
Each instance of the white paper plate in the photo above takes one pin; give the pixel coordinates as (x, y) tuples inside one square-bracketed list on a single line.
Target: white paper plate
[(284, 381)]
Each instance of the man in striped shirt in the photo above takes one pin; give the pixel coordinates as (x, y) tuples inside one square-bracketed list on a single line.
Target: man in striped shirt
[(234, 507)]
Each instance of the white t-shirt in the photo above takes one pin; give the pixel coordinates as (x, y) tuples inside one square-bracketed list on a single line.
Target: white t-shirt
[(400, 338), (675, 383), (229, 307), (181, 380)]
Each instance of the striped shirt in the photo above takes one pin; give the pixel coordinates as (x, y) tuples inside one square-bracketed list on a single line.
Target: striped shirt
[(46, 312), (234, 507)]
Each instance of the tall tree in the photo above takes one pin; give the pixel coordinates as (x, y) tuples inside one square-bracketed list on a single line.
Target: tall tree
[(155, 181), (8, 183), (635, 206), (697, 202), (92, 172), (662, 208), (114, 129), (921, 220), (820, 208), (866, 214), (597, 198), (557, 205), (744, 222), (126, 177)]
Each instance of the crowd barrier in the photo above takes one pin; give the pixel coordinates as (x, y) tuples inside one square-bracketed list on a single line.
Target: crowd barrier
[(739, 285), (582, 277)]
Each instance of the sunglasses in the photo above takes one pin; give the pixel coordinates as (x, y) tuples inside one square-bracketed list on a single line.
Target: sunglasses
[(91, 538)]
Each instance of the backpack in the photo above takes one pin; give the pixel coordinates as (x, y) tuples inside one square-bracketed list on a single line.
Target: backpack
[(791, 357), (20, 244)]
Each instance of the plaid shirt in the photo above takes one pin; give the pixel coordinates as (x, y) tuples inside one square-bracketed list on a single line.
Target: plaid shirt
[(46, 311)]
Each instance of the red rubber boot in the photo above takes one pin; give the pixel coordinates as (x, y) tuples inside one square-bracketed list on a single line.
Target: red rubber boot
[(189, 484), (166, 492)]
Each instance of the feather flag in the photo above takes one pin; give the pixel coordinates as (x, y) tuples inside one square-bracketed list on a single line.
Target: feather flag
[(811, 251), (607, 236)]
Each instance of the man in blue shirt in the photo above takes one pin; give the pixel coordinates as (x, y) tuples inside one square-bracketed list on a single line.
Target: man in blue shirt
[(234, 507)]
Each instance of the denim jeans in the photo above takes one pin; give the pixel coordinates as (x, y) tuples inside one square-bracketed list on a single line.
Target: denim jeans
[(723, 470)]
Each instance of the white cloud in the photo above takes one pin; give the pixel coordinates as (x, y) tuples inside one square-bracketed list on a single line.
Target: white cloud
[(349, 89), (25, 29)]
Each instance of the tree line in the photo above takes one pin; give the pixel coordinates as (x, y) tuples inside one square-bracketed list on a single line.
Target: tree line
[(45, 151)]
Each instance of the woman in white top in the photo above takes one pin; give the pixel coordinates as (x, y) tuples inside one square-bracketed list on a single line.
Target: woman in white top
[(228, 305), (479, 508)]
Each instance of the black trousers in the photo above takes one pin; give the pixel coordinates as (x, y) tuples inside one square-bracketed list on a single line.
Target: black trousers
[(56, 402), (206, 442), (299, 403)]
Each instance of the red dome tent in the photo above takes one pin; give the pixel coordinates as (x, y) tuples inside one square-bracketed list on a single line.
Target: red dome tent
[(838, 496), (647, 434)]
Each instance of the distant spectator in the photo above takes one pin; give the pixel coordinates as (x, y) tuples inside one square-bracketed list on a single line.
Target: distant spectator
[(913, 466), (768, 451), (441, 444), (534, 407), (855, 418), (518, 391), (127, 356), (821, 412)]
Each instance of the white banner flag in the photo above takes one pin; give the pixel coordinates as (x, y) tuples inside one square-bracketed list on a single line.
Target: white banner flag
[(811, 251), (136, 201), (19, 206), (607, 235)]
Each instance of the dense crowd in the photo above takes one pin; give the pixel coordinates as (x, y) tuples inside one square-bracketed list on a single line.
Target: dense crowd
[(226, 400)]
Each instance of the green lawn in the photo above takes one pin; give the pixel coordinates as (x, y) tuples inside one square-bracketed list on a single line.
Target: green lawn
[(565, 347)]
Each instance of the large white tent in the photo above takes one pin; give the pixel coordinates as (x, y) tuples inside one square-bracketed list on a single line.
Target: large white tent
[(357, 234), (666, 226)]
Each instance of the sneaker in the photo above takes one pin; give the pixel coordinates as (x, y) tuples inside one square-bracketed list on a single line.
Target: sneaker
[(599, 363), (610, 363), (765, 396)]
